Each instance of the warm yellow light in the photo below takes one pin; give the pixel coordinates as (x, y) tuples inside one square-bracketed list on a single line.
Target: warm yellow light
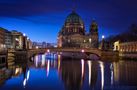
[(17, 71), (90, 40), (102, 75), (82, 65), (59, 59), (89, 68)]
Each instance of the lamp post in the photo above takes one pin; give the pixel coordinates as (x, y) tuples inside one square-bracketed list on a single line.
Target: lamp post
[(103, 37), (24, 41), (103, 42)]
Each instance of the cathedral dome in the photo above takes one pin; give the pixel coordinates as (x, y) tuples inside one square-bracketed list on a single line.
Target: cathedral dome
[(73, 25), (73, 18)]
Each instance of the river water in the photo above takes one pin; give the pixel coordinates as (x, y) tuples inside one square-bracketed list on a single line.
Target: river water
[(52, 72)]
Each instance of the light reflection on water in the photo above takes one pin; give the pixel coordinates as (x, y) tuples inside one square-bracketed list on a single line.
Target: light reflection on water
[(52, 72), (102, 74)]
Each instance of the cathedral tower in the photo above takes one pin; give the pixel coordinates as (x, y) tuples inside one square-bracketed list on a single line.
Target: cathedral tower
[(93, 32)]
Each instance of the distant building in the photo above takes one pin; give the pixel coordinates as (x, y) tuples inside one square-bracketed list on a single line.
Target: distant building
[(73, 33), (14, 39), (43, 45), (2, 38), (8, 39), (17, 39), (125, 46), (29, 44), (37, 45), (116, 46)]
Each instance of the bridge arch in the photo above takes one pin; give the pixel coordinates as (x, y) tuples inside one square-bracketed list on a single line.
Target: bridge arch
[(92, 55)]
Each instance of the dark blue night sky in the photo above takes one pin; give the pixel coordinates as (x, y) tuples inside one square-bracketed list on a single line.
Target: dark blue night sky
[(41, 20)]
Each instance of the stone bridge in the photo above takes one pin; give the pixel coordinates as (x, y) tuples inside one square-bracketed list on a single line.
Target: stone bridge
[(100, 53)]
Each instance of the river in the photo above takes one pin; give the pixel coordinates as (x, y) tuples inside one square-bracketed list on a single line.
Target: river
[(52, 72)]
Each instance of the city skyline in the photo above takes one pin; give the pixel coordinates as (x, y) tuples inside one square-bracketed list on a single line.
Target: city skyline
[(42, 20)]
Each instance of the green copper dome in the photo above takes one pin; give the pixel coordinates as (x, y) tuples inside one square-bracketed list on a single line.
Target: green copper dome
[(74, 18), (73, 25)]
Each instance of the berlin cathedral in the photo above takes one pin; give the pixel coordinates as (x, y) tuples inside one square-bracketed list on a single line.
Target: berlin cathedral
[(73, 33)]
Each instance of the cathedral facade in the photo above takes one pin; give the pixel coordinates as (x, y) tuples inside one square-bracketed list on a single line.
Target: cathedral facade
[(73, 33)]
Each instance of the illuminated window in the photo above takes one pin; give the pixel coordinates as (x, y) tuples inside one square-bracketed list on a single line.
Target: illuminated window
[(75, 30), (84, 41), (90, 40)]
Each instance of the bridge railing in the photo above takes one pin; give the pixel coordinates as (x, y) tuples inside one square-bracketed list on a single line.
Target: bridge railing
[(66, 48)]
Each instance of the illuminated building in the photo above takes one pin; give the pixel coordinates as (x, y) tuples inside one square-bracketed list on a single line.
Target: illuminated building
[(43, 45), (2, 37), (125, 46), (8, 39), (73, 33), (14, 39), (17, 39), (29, 44), (116, 46), (20, 40)]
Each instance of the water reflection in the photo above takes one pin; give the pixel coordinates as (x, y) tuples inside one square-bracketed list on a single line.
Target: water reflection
[(51, 71), (22, 68), (93, 73), (102, 74), (72, 74), (26, 78), (112, 73), (45, 60), (125, 73), (59, 62), (89, 68), (82, 69)]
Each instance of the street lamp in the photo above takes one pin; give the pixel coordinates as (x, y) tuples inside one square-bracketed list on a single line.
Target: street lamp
[(24, 34), (103, 42), (103, 36), (24, 41)]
